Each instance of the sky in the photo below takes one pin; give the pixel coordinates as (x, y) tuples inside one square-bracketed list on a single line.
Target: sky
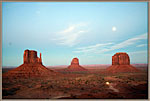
[(90, 31)]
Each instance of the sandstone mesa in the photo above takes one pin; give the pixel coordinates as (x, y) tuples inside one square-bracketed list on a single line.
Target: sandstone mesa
[(121, 63), (32, 67), (75, 65)]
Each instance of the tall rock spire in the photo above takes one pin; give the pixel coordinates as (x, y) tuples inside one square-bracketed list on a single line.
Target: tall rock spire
[(26, 57), (40, 58)]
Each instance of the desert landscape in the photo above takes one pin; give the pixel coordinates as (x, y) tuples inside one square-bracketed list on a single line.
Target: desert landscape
[(75, 50), (32, 80)]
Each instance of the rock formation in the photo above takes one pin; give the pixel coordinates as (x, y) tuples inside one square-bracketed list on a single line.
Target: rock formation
[(30, 57), (120, 59), (75, 65), (121, 63), (32, 66)]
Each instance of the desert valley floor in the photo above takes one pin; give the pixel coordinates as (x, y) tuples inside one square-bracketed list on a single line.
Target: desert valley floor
[(82, 84)]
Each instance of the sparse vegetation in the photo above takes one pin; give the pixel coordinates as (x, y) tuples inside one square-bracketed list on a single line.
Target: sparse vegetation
[(78, 85)]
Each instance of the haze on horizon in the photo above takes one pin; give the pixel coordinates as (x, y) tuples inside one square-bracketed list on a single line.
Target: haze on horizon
[(90, 31)]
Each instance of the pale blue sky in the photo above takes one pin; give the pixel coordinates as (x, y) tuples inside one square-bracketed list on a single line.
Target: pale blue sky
[(91, 31)]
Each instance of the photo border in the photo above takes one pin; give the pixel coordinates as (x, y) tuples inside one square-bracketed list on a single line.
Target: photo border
[(74, 1)]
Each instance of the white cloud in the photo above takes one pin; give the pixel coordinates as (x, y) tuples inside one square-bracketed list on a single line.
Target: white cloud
[(129, 42), (138, 52), (70, 35), (141, 45), (70, 39), (93, 48), (99, 48), (69, 29)]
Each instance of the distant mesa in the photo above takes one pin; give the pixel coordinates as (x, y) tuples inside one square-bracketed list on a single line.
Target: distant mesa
[(121, 63), (75, 65), (32, 66)]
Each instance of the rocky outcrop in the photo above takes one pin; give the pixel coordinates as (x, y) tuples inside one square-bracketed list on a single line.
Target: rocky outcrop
[(32, 67), (75, 65), (75, 61), (30, 57), (121, 63), (120, 59)]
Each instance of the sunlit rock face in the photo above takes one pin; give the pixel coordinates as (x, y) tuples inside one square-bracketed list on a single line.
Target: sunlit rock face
[(120, 59), (75, 61), (75, 65), (121, 63), (30, 57), (32, 67)]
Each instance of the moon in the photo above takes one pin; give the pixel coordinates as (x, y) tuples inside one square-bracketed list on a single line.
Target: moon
[(114, 28)]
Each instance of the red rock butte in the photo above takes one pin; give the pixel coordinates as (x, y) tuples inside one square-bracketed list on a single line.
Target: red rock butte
[(121, 63), (30, 57), (32, 67), (75, 65), (120, 59)]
